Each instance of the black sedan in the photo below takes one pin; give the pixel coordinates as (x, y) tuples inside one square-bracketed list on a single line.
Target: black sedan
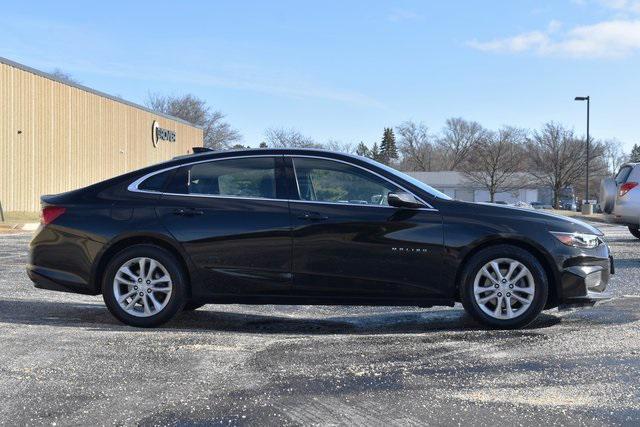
[(287, 226)]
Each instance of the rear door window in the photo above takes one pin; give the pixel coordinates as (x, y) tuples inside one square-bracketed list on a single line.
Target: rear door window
[(253, 177)]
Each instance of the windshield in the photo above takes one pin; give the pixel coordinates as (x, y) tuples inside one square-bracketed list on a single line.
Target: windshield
[(421, 185)]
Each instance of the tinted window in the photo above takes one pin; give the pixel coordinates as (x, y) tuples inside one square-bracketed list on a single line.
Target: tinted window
[(155, 182), (248, 177), (623, 174), (335, 182)]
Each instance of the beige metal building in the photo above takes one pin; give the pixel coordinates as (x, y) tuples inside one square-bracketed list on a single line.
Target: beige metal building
[(56, 136)]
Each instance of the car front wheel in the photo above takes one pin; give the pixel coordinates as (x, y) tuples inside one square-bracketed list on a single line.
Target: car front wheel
[(504, 287), (144, 286), (635, 231)]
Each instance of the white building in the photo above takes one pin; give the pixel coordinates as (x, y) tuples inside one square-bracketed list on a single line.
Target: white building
[(458, 186)]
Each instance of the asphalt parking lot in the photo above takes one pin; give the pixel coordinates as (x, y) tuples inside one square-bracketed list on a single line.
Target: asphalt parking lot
[(65, 360)]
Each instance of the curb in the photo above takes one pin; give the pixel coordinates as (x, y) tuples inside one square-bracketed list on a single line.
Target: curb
[(27, 226)]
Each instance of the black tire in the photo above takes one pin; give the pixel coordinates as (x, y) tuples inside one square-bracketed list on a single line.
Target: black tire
[(608, 193), (177, 297), (192, 306), (484, 256), (635, 231)]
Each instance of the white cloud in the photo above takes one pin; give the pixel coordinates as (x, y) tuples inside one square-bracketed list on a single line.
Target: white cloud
[(622, 5), (533, 40), (554, 26), (402, 15), (615, 38)]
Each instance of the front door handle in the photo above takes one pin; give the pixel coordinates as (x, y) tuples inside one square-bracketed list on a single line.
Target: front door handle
[(313, 216), (188, 212)]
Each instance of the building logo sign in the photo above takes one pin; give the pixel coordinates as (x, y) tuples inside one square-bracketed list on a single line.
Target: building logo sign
[(161, 134)]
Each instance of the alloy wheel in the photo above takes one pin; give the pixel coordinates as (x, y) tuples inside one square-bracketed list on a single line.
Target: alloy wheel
[(142, 287), (504, 288)]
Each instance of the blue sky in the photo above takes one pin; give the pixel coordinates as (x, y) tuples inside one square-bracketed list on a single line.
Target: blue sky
[(343, 70)]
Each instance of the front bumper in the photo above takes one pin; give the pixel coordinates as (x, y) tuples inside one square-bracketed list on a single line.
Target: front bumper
[(585, 285)]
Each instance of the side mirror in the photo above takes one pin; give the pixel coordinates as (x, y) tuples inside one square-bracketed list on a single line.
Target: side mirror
[(403, 200)]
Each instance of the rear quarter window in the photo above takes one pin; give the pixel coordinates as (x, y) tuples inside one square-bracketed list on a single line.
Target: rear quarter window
[(155, 182)]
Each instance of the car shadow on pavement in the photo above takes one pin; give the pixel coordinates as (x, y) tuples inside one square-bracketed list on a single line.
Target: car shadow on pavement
[(96, 316)]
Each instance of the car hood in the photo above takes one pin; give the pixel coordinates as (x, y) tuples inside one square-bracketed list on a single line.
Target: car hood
[(555, 222)]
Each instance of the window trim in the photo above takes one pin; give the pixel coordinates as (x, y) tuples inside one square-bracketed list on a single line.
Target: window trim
[(133, 187)]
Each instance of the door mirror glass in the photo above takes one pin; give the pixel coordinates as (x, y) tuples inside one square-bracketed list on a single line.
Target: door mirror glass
[(401, 199)]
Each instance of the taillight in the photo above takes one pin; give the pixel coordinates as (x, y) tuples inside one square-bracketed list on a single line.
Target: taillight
[(626, 187), (50, 213)]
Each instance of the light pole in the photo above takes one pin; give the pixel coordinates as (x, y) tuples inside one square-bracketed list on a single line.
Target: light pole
[(588, 99)]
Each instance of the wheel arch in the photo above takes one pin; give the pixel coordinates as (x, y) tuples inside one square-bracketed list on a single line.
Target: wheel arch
[(541, 255), (119, 244)]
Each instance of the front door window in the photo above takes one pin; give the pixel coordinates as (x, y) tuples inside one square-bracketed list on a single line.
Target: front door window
[(328, 181)]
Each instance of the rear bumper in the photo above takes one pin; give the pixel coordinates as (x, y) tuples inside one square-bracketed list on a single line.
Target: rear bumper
[(625, 213), (56, 280), (61, 259)]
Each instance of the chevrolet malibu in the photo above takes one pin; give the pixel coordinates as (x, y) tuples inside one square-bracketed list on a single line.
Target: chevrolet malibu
[(289, 226)]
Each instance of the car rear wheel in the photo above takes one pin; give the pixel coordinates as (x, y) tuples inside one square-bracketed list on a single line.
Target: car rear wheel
[(504, 287), (635, 231), (144, 286)]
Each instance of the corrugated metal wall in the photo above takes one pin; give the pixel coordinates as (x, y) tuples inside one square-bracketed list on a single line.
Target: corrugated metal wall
[(55, 137)]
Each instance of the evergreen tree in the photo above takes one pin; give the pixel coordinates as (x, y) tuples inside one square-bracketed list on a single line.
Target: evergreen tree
[(635, 153), (375, 153), (363, 150), (388, 149)]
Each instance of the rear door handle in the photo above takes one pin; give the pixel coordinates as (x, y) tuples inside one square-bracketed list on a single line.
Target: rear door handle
[(188, 212), (313, 216)]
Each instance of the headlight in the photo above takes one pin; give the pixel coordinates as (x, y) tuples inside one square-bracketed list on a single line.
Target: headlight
[(577, 240)]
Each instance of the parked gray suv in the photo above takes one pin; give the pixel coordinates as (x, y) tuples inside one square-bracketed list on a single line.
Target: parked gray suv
[(620, 197)]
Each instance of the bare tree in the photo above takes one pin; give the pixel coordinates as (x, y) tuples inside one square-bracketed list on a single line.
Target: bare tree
[(497, 160), (340, 147), (558, 157), (218, 134), (64, 76), (614, 155), (459, 136), (416, 146), (284, 138), (598, 169)]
